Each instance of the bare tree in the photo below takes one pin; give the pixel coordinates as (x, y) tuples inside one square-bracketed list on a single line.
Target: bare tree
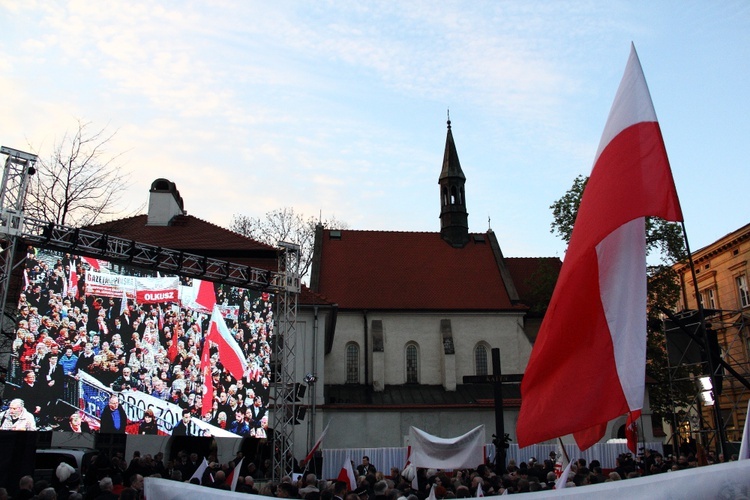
[(78, 183), (284, 224)]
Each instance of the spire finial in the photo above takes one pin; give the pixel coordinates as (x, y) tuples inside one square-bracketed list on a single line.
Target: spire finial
[(489, 222), (449, 118)]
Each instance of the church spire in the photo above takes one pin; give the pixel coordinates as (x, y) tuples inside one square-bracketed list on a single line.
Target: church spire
[(454, 225)]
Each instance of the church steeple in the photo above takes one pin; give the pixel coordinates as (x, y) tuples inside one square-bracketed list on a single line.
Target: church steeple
[(454, 219)]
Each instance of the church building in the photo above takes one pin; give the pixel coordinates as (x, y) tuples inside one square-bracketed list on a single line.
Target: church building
[(411, 315)]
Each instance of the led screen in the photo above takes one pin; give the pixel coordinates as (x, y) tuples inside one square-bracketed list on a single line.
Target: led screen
[(100, 347)]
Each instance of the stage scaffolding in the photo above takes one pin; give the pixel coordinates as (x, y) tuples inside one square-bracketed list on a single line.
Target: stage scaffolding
[(688, 364), (17, 232)]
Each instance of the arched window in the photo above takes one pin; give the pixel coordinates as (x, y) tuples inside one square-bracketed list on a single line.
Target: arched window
[(352, 363), (454, 195), (445, 196), (480, 359), (412, 364)]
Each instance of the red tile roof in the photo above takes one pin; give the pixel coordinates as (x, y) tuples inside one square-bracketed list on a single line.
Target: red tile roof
[(534, 277), (390, 270)]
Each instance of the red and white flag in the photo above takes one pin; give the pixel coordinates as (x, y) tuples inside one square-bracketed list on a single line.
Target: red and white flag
[(95, 264), (595, 325), (631, 430), (73, 282), (317, 445), (235, 475), (230, 354), (346, 474), (480, 491), (409, 470), (200, 470), (206, 296)]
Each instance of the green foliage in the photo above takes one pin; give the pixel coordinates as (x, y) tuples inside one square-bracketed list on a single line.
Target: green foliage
[(565, 210)]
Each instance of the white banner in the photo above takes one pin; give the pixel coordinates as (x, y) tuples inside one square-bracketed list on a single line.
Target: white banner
[(729, 480), (135, 404), (166, 489), (167, 414), (462, 452), (109, 285)]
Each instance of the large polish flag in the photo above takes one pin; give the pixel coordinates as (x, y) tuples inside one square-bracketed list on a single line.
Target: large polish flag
[(588, 364), (230, 354)]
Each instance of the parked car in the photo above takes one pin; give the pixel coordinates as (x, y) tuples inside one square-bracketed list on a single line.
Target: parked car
[(47, 460)]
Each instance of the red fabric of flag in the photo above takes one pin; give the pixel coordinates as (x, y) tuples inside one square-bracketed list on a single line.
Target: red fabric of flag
[(588, 363), (631, 430), (230, 353), (346, 474)]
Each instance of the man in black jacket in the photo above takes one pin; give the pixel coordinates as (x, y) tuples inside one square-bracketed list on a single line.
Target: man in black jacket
[(113, 417)]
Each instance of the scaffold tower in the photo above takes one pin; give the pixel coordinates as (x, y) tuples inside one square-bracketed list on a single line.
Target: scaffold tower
[(19, 167), (286, 407)]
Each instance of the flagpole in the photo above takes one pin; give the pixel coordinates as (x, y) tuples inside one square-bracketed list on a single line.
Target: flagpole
[(565, 452), (707, 346)]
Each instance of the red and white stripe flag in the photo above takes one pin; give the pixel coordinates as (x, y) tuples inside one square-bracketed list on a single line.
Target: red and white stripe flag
[(235, 475), (200, 470), (631, 430), (595, 325), (317, 445), (346, 474), (230, 354), (95, 264)]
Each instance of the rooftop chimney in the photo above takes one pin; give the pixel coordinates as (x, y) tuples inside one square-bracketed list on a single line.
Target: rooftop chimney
[(164, 203)]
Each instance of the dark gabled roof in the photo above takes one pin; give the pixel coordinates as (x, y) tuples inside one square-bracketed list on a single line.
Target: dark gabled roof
[(415, 395), (184, 232), (535, 279), (193, 235), (391, 270)]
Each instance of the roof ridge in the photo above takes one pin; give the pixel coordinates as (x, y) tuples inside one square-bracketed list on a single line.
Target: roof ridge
[(270, 247)]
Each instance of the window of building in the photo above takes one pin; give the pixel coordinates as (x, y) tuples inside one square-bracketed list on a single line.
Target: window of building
[(480, 360), (708, 297), (412, 364), (742, 290), (352, 363)]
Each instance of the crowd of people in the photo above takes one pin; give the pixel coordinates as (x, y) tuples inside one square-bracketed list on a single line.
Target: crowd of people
[(64, 330), (109, 478)]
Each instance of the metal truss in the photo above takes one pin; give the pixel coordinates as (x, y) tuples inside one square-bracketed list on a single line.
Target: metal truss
[(286, 405), (19, 167)]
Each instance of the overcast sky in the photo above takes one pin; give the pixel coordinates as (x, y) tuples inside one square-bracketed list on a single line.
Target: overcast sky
[(339, 108)]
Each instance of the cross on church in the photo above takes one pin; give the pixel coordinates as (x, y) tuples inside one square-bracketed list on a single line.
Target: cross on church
[(496, 379)]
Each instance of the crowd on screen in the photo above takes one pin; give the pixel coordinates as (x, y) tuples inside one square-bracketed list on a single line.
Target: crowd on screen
[(62, 332)]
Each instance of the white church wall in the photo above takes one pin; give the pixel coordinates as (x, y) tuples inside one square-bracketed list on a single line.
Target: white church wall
[(500, 330)]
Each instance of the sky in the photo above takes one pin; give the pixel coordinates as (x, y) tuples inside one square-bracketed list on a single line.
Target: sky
[(338, 108)]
